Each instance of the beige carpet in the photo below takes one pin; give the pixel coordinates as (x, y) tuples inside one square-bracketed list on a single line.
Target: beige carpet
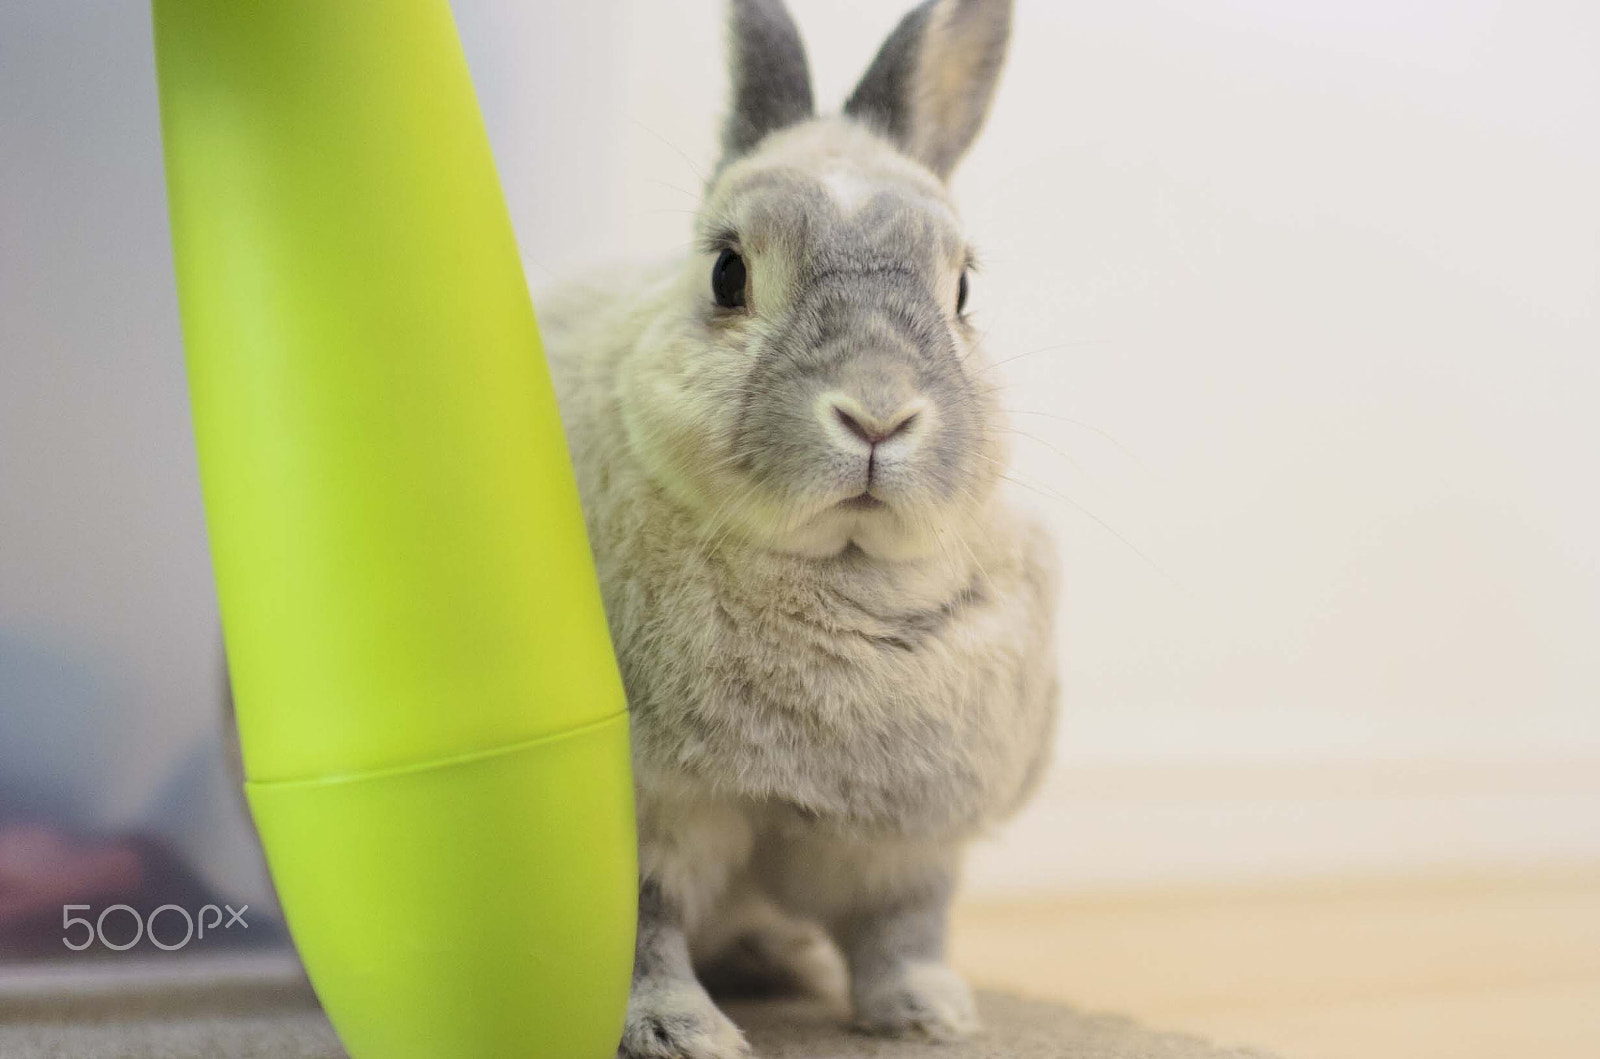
[(229, 1014)]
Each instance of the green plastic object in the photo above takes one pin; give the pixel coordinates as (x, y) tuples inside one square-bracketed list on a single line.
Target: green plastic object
[(434, 730)]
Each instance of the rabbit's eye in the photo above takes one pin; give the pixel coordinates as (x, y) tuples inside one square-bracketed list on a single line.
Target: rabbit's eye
[(728, 280), (961, 294)]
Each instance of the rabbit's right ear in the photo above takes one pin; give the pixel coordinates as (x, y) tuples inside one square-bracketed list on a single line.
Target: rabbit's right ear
[(769, 77)]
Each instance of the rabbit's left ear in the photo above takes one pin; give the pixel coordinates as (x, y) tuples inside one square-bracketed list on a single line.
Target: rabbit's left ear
[(770, 79), (929, 87)]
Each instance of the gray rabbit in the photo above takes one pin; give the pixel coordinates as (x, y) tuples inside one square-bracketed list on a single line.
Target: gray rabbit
[(836, 636)]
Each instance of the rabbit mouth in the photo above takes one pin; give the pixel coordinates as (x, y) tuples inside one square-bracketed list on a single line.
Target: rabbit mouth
[(863, 501)]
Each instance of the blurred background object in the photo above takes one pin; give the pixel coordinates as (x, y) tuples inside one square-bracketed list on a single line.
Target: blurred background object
[(1299, 304)]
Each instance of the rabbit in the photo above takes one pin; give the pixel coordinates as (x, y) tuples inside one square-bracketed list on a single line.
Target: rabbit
[(834, 631)]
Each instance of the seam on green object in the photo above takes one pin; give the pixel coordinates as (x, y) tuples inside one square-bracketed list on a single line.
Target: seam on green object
[(438, 763)]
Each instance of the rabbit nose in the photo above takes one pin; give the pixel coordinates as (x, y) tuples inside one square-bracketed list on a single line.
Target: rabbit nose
[(857, 422)]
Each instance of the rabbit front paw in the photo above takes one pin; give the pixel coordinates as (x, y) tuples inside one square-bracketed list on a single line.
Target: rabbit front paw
[(916, 999), (678, 1020)]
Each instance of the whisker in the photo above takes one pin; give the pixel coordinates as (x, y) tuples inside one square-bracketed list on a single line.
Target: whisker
[(673, 187), (1103, 524), (1069, 458), (1045, 349), (716, 527), (973, 556), (1090, 427), (686, 159)]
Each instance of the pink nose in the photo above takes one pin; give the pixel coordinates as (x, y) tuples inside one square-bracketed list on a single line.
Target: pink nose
[(872, 429)]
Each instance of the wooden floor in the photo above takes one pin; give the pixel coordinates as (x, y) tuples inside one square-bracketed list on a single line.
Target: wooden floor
[(1503, 967)]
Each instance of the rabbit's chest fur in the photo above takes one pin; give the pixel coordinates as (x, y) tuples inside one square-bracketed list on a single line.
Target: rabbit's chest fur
[(912, 699), (808, 685), (816, 687)]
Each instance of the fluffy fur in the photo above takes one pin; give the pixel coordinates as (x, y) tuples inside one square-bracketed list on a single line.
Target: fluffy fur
[(836, 638)]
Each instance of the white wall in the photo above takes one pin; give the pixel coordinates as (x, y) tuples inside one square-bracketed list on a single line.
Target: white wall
[(1303, 298), (1311, 286)]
